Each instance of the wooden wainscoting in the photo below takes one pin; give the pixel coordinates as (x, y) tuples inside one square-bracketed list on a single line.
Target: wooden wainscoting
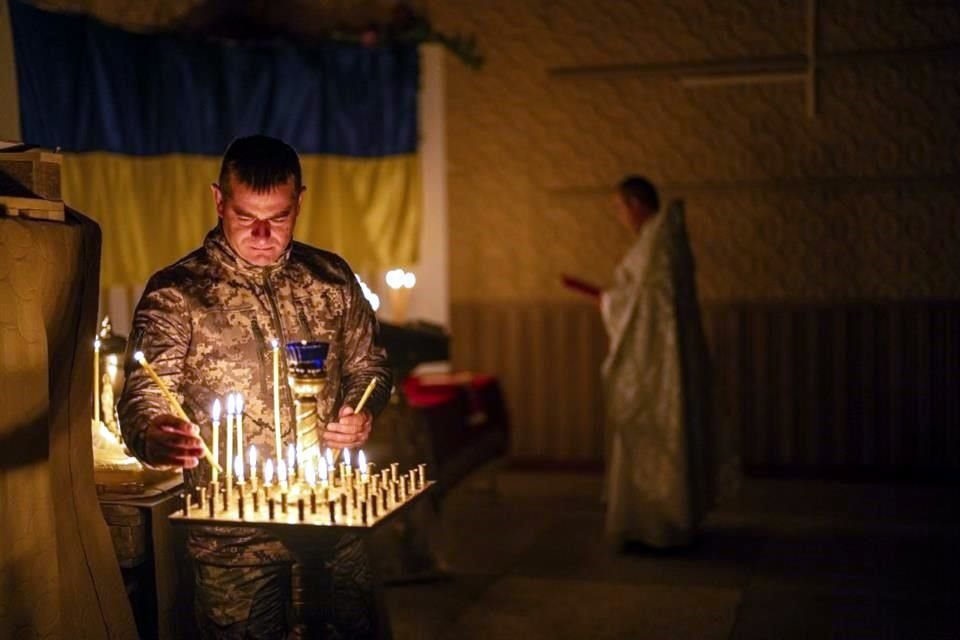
[(814, 389)]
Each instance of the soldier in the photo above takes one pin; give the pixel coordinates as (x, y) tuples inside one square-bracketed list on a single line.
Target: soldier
[(207, 324)]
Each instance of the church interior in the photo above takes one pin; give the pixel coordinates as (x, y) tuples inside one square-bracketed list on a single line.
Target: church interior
[(544, 467)]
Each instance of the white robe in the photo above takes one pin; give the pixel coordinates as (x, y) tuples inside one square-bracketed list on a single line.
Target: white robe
[(655, 376)]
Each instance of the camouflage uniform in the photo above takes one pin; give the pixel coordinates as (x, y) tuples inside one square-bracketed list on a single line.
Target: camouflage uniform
[(206, 324)]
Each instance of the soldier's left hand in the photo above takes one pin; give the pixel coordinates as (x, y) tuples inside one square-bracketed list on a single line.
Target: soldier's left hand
[(350, 430)]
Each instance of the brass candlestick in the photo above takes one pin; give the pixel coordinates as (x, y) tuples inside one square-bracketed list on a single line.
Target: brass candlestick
[(308, 381)]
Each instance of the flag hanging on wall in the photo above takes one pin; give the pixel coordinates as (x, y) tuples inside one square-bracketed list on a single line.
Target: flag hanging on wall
[(143, 119)]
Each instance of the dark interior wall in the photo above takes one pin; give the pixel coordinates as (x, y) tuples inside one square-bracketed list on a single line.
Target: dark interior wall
[(850, 214)]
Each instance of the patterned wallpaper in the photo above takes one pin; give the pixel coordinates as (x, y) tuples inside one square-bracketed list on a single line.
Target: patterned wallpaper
[(860, 202)]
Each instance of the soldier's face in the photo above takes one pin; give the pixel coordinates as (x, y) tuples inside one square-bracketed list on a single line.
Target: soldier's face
[(258, 226)]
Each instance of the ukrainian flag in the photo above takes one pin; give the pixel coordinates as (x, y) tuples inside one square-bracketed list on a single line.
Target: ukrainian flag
[(143, 120)]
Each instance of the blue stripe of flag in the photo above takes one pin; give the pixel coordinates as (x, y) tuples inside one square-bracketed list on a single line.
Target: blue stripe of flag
[(85, 86)]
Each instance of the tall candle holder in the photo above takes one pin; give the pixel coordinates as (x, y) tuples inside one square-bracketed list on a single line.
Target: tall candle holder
[(308, 380)]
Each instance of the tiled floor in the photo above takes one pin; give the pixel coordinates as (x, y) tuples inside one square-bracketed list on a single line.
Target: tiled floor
[(787, 560)]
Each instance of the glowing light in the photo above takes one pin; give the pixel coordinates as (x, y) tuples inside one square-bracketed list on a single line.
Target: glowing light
[(395, 278), (268, 471), (409, 280), (362, 462), (215, 414)]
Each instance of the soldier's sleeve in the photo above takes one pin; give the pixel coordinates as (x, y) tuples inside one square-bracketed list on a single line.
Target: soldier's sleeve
[(161, 330), (364, 357)]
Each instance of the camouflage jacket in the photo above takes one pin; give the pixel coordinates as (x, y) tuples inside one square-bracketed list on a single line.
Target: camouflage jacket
[(206, 324)]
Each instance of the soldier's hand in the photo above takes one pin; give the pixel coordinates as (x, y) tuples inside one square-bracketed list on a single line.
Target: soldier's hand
[(170, 441), (350, 431)]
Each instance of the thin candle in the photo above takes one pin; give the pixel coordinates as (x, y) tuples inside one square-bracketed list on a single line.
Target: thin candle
[(172, 401), (240, 440), (362, 465), (360, 405), (231, 411), (252, 457), (322, 468), (276, 398), (215, 418), (96, 380), (268, 472), (238, 468), (291, 459)]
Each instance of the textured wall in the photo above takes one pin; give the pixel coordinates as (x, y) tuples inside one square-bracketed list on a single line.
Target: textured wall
[(861, 203), (772, 212)]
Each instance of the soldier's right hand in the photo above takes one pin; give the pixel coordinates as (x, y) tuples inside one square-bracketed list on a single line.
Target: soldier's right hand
[(170, 441)]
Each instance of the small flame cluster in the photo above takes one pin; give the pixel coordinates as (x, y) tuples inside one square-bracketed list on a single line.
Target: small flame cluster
[(400, 279)]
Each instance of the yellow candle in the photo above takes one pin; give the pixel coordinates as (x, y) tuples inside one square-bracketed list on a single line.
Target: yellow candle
[(322, 468), (362, 465), (96, 380), (172, 401), (240, 441), (276, 398), (215, 415), (231, 411), (268, 472), (253, 467)]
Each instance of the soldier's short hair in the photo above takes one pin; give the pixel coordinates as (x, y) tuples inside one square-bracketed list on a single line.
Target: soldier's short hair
[(640, 189), (260, 162)]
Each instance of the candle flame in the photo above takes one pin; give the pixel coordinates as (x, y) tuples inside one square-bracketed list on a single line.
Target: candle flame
[(268, 471), (231, 404), (329, 457), (239, 403), (310, 473), (281, 471), (215, 413), (362, 462), (238, 467), (275, 344), (96, 344), (139, 357), (252, 456), (323, 469), (291, 455), (346, 457)]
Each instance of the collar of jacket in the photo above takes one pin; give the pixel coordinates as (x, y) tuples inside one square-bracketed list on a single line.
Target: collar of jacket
[(219, 249)]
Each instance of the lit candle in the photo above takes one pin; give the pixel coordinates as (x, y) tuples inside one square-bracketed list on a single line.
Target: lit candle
[(362, 464), (299, 461), (310, 473), (215, 418), (276, 398), (96, 380), (291, 459), (171, 400), (322, 468), (282, 475), (253, 467), (329, 457), (240, 441), (231, 411), (268, 472), (238, 468)]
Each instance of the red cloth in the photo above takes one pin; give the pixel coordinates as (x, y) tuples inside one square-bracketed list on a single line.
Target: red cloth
[(436, 389)]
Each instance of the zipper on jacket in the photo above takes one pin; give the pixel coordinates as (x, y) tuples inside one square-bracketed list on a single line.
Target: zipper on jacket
[(304, 324), (261, 341)]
